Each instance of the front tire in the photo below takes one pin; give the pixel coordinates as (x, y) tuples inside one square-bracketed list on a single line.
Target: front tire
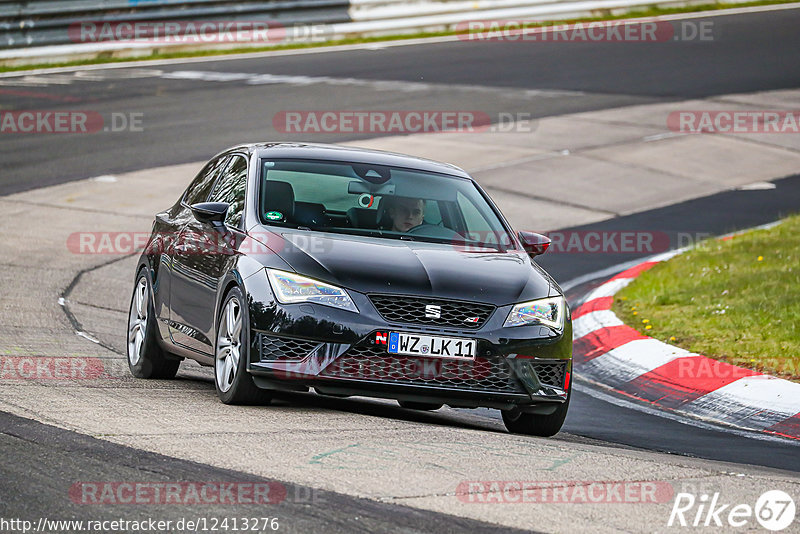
[(233, 383), (146, 359), (532, 424)]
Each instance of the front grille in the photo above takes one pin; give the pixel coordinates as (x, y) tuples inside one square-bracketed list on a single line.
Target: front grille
[(412, 310), (372, 363), (551, 374), (282, 348)]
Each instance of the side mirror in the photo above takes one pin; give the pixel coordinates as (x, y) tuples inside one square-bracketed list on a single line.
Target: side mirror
[(210, 212), (534, 244)]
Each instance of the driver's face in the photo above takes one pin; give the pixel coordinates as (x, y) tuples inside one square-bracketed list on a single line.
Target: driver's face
[(407, 214)]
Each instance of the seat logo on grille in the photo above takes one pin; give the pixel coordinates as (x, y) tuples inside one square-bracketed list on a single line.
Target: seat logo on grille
[(433, 312)]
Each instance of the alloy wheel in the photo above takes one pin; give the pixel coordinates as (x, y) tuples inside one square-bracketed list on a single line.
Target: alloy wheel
[(228, 345), (137, 322)]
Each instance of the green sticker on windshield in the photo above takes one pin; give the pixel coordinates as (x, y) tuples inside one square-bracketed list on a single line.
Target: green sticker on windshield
[(274, 216)]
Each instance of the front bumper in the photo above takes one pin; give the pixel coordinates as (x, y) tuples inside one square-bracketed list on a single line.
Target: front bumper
[(302, 346)]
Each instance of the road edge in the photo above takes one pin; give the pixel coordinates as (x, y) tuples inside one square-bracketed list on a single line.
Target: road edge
[(389, 32), (616, 356)]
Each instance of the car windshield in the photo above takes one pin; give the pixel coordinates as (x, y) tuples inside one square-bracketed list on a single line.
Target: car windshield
[(378, 201)]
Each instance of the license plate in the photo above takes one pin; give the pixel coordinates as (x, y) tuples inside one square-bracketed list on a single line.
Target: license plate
[(435, 346)]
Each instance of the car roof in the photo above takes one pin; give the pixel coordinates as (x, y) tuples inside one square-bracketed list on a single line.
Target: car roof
[(325, 152)]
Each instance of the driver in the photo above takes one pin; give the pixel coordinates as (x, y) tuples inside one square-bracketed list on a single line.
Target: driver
[(406, 213)]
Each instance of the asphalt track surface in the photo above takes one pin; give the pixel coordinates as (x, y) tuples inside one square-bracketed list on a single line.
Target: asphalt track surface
[(38, 490), (190, 120)]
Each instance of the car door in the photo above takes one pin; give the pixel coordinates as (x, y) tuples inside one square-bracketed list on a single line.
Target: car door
[(203, 255), (168, 225)]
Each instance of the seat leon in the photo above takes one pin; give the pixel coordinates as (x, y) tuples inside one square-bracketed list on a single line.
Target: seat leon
[(292, 267)]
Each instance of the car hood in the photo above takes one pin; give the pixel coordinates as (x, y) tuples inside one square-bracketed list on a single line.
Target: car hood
[(370, 265)]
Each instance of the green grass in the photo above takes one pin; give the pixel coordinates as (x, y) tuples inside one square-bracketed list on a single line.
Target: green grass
[(645, 12), (736, 301)]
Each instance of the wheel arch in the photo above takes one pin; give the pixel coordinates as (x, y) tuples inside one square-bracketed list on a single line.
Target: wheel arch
[(229, 281), (144, 266)]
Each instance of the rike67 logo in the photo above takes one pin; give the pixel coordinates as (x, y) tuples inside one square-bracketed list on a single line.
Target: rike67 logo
[(774, 510)]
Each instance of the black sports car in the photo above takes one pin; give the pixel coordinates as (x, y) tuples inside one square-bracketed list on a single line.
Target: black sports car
[(290, 266)]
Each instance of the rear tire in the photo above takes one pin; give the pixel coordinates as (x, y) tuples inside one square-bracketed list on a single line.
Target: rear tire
[(532, 424), (233, 383), (413, 405), (146, 359)]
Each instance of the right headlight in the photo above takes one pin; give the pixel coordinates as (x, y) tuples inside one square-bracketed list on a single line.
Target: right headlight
[(548, 312)]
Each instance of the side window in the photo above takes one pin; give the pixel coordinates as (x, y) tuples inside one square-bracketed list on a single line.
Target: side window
[(231, 189), (201, 186)]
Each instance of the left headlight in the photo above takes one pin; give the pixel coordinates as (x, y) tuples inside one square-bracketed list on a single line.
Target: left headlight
[(549, 312), (291, 288)]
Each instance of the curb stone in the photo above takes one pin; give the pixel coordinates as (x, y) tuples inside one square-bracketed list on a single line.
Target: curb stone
[(615, 355)]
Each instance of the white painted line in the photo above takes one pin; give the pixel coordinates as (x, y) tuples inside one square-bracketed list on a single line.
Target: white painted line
[(87, 336), (208, 76), (602, 273), (106, 179), (659, 137), (99, 76), (586, 324), (658, 258), (37, 81), (756, 186), (377, 85)]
